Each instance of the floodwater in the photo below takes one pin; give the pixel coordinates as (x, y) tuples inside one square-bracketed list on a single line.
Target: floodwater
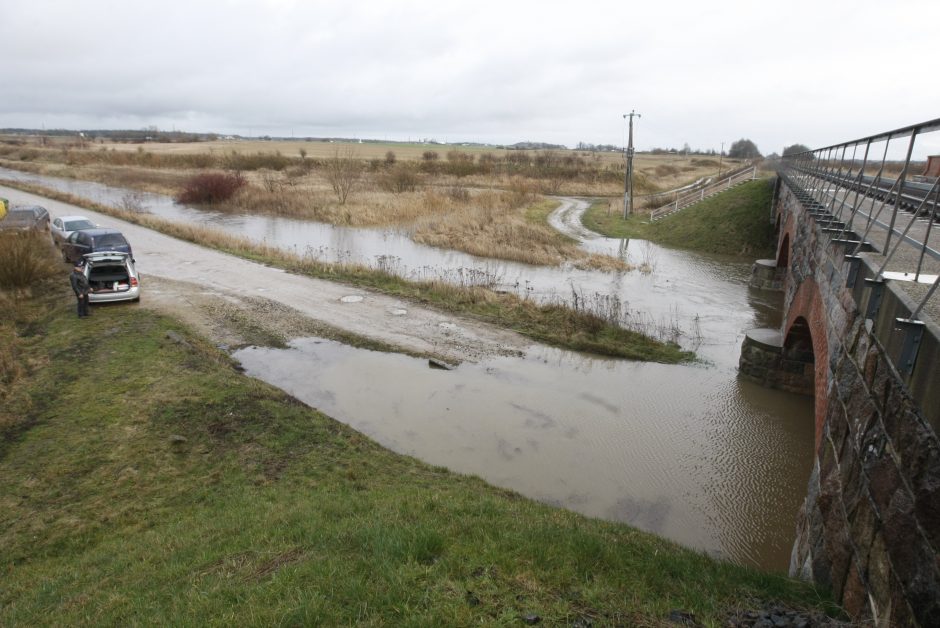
[(688, 452)]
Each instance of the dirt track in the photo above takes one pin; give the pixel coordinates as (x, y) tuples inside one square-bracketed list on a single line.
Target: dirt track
[(227, 297)]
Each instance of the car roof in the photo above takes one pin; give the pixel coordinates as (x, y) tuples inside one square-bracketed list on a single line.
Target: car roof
[(97, 231), (71, 218), (27, 208)]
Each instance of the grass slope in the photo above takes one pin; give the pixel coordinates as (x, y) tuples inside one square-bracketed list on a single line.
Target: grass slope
[(147, 482), (734, 222)]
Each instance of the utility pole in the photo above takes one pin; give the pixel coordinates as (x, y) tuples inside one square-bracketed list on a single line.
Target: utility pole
[(628, 171), (720, 155)]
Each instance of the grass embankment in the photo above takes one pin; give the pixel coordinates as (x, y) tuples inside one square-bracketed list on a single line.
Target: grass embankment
[(144, 481), (553, 324), (734, 222)]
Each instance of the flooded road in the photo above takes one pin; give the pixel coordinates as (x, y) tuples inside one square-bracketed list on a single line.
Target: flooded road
[(688, 452)]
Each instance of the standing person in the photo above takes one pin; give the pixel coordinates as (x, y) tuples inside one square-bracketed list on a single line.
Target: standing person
[(81, 289)]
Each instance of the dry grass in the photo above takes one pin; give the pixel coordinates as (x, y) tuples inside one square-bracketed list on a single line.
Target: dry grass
[(500, 225), (28, 267), (26, 258), (470, 199)]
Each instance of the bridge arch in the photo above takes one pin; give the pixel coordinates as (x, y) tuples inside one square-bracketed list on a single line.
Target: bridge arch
[(805, 339), (783, 252)]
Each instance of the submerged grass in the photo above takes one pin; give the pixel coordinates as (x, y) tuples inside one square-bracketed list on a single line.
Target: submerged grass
[(150, 483), (734, 222), (553, 324)]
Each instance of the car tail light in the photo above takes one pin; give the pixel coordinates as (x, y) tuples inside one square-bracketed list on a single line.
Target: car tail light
[(133, 282)]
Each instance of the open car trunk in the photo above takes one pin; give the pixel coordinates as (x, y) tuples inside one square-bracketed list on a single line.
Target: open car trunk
[(109, 277)]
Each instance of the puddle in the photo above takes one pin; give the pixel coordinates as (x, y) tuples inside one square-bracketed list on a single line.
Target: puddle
[(687, 452)]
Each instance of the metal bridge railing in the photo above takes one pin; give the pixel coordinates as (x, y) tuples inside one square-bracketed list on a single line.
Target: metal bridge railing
[(880, 194), (681, 202)]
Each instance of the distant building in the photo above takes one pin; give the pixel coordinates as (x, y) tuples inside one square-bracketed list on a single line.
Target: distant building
[(933, 166)]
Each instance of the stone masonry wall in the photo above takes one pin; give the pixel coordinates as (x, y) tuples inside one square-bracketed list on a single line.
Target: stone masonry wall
[(870, 525)]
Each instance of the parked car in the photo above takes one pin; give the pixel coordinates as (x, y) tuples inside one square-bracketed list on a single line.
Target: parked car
[(112, 276), (63, 226), (26, 217), (93, 240)]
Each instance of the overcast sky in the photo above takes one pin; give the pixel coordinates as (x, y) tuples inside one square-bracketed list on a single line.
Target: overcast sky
[(815, 72)]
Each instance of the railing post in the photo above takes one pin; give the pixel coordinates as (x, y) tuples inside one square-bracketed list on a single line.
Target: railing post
[(897, 199)]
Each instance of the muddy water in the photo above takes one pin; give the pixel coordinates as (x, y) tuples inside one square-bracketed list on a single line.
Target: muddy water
[(689, 452)]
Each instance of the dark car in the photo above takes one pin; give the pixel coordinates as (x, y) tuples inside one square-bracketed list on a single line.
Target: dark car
[(92, 241), (26, 217)]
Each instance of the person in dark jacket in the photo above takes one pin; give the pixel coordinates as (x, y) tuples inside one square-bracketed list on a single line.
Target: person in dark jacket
[(81, 289)]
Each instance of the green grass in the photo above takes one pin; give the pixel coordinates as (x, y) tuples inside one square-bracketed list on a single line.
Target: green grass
[(149, 483), (734, 222), (564, 327)]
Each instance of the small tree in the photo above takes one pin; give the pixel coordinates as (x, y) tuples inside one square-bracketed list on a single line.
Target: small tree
[(743, 149), (343, 170), (794, 149)]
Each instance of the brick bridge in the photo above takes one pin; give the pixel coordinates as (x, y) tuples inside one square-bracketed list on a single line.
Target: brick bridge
[(856, 249)]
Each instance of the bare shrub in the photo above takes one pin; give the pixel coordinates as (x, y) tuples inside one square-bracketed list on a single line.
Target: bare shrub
[(133, 202), (271, 182), (390, 158), (211, 187), (430, 155), (26, 258), (343, 171), (401, 178)]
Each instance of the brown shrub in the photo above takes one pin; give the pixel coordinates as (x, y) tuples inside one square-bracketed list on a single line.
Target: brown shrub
[(26, 258), (211, 187), (401, 178)]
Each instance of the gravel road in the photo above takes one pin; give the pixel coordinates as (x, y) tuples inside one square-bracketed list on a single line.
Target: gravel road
[(189, 276)]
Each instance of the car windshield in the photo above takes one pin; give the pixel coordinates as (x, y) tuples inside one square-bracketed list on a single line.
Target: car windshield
[(74, 225), (110, 239)]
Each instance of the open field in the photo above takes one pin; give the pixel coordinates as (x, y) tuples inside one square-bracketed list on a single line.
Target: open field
[(469, 199), (144, 480), (664, 171)]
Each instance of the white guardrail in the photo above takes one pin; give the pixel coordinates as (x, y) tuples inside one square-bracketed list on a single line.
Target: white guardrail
[(701, 194)]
